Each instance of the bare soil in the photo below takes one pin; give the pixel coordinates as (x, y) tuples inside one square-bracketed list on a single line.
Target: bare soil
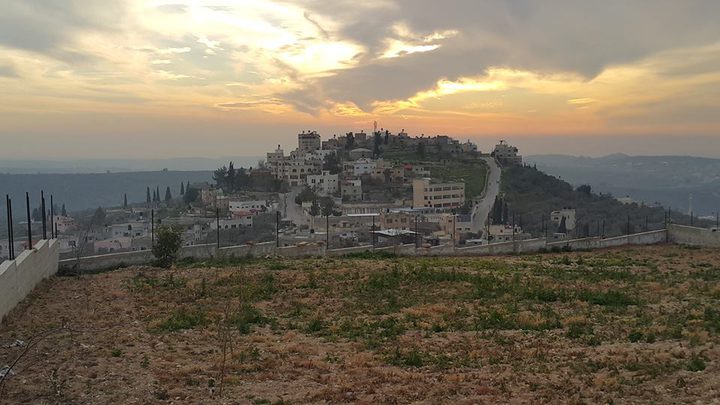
[(636, 325)]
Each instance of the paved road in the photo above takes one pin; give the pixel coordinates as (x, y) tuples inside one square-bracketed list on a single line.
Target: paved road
[(483, 205), (292, 211)]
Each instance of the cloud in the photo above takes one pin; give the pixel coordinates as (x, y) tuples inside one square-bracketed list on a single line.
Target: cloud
[(582, 38), (8, 71)]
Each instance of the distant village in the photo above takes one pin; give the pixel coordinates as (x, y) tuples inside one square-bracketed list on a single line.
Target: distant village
[(349, 190)]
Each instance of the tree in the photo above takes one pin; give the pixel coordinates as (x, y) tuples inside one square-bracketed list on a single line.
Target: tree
[(377, 141), (191, 195), (148, 195), (63, 211), (125, 201), (585, 189), (182, 188), (327, 206), (421, 150), (168, 195), (157, 193), (315, 208), (332, 164), (230, 176), (167, 245), (98, 217)]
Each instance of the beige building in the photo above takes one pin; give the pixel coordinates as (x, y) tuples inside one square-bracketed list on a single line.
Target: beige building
[(430, 194), (308, 142), (507, 154)]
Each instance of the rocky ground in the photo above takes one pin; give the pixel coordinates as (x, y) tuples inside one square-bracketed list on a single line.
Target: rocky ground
[(622, 326)]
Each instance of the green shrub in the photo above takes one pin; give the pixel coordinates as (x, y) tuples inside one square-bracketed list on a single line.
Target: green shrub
[(168, 241)]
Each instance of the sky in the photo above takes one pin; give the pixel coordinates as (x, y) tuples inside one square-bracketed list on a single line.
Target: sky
[(182, 78)]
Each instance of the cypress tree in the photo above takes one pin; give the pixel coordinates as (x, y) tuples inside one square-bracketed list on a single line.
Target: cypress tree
[(182, 188), (125, 201), (148, 195), (168, 196)]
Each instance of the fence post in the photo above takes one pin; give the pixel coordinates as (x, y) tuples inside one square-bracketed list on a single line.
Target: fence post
[(29, 224), (52, 218), (44, 219)]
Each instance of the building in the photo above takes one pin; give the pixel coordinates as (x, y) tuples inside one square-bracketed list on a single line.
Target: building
[(308, 142), (324, 184), (233, 223), (556, 217), (504, 233), (430, 194), (360, 153), (455, 225), (398, 220), (252, 207), (506, 154), (351, 190)]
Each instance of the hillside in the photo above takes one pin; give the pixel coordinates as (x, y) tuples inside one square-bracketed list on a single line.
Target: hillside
[(92, 190), (634, 325), (532, 195), (669, 180)]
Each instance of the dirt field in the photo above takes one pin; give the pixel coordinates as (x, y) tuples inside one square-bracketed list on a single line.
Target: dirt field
[(620, 326)]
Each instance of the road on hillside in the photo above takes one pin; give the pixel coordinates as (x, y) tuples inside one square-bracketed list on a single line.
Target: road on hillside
[(292, 211), (484, 204)]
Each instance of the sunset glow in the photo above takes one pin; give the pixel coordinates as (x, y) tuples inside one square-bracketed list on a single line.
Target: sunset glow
[(298, 64)]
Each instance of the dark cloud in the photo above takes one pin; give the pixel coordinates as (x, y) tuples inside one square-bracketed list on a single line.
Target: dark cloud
[(50, 26), (580, 37)]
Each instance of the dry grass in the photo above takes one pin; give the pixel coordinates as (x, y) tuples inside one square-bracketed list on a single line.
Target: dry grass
[(629, 325)]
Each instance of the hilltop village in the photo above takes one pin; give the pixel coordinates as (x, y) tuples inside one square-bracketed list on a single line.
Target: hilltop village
[(349, 190)]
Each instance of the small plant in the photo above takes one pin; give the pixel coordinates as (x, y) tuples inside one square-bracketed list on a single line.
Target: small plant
[(115, 352), (145, 361), (696, 364), (167, 245), (183, 319), (635, 336), (315, 325)]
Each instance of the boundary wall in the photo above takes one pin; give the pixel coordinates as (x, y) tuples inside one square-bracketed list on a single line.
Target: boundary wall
[(20, 276)]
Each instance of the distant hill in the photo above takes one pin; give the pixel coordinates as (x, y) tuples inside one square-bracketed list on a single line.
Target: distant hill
[(531, 195), (121, 165), (83, 191), (668, 180)]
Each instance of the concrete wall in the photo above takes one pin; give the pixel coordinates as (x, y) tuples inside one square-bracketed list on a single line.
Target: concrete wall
[(104, 262), (20, 276), (688, 235)]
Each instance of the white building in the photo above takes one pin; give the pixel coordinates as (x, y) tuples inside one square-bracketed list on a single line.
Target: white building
[(360, 167), (253, 206), (324, 184), (234, 223), (567, 213)]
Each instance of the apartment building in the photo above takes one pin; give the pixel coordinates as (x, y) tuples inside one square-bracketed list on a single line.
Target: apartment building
[(428, 193)]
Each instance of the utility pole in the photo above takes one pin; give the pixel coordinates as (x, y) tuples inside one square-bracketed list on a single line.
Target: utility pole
[(52, 217), (327, 231), (8, 206), (44, 220), (152, 228), (417, 243), (513, 227), (372, 232), (717, 220), (646, 223), (602, 234), (217, 223), (12, 230), (277, 229), (628, 225), (29, 219)]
